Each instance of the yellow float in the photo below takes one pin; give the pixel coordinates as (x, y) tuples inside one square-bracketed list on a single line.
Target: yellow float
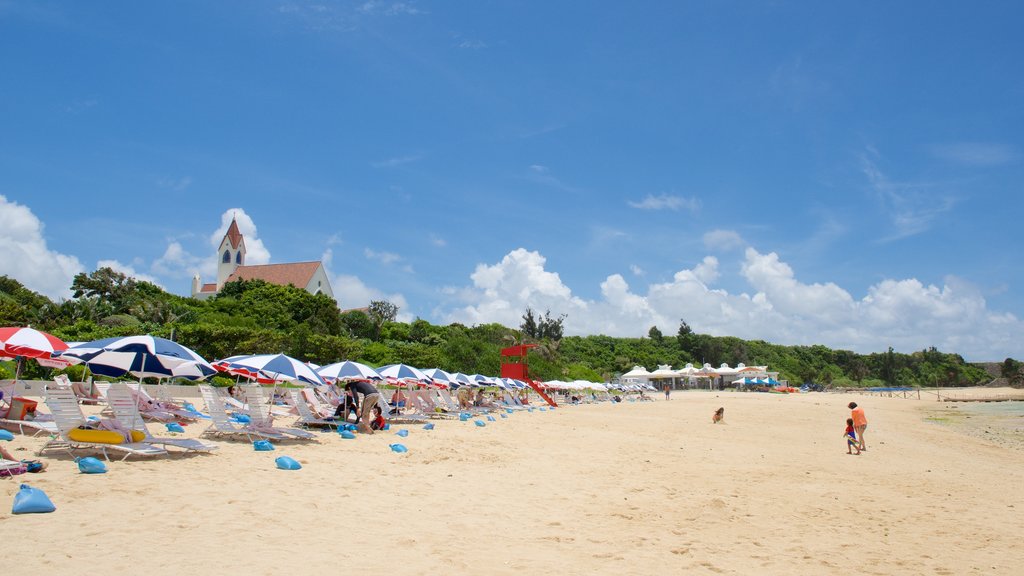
[(103, 436)]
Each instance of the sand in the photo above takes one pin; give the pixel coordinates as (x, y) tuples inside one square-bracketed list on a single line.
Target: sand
[(634, 488)]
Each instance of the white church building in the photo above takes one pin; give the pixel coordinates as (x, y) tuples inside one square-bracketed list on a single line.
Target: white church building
[(231, 266)]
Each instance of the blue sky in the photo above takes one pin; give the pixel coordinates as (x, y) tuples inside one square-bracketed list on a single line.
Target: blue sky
[(843, 173)]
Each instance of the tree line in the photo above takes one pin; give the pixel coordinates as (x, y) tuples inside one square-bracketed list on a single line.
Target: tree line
[(256, 317)]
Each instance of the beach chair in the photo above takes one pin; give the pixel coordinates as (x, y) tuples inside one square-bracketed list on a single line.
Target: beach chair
[(263, 419), (394, 416), (510, 401), (67, 415), (39, 424), (221, 425), (424, 401), (306, 416), (126, 412), (453, 405), (11, 467), (240, 407), (161, 411)]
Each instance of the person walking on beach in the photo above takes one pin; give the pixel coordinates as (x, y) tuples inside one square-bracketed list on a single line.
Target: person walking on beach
[(860, 424), (370, 397), (668, 391), (851, 437)]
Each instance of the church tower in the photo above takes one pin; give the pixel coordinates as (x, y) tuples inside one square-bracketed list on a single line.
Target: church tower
[(231, 254)]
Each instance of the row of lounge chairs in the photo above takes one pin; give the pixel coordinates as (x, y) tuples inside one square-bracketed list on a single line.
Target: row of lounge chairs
[(129, 406)]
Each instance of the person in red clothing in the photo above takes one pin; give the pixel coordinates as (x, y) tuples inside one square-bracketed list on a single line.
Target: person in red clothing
[(860, 423), (851, 437), (378, 419)]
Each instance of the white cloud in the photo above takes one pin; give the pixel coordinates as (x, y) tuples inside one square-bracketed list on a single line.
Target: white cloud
[(176, 262), (351, 292), (255, 252), (396, 161), (437, 240), (472, 44), (24, 254), (976, 153), (175, 184), (127, 270), (904, 314), (723, 240), (912, 207), (666, 202), (389, 8), (383, 257), (636, 270)]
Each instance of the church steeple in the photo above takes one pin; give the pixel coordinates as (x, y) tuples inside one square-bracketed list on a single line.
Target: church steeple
[(231, 254)]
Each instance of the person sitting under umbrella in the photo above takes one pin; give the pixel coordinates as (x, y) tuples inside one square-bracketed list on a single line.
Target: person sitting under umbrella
[(347, 405)]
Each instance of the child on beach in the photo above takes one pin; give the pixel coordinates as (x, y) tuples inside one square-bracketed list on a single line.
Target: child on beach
[(378, 419), (851, 437), (718, 416)]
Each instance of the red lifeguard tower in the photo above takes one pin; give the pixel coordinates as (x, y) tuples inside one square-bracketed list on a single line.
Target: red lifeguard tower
[(513, 365)]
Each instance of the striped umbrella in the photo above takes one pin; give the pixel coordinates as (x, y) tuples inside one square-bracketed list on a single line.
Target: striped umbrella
[(348, 370), (142, 356), (271, 368)]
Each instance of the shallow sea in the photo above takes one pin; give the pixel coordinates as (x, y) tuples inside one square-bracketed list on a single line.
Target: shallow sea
[(998, 422)]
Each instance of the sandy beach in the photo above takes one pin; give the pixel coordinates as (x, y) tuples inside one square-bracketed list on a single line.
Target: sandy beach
[(633, 488)]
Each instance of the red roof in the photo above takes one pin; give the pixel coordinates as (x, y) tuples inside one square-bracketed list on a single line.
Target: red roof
[(297, 274), (208, 288), (233, 235)]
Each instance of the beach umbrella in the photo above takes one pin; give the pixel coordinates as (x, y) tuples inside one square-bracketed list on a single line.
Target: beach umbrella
[(271, 368), (17, 342), (193, 370), (142, 356), (440, 378), (27, 341), (403, 373), (348, 370), (458, 379)]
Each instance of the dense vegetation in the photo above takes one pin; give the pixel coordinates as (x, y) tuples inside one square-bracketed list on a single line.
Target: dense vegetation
[(257, 317)]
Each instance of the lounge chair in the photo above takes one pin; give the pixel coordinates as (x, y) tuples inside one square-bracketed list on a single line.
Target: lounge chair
[(221, 425), (263, 419), (395, 416), (453, 405), (67, 415), (40, 424), (423, 400), (159, 410), (306, 416), (510, 401), (126, 412)]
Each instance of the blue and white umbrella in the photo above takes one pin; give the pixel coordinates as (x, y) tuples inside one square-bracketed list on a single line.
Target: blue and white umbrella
[(272, 368), (459, 379), (347, 370), (404, 373), (141, 356), (440, 377)]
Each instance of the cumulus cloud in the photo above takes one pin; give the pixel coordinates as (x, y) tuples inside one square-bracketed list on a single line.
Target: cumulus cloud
[(722, 240), (176, 262), (26, 257), (905, 314), (351, 292), (666, 202), (127, 270)]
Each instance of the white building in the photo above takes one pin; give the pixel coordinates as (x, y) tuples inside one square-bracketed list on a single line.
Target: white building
[(231, 266)]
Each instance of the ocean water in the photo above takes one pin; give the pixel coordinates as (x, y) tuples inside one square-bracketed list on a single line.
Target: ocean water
[(999, 409)]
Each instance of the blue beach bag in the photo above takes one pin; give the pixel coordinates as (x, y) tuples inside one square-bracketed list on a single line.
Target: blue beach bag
[(262, 446), (346, 434), (403, 433), (90, 465), (31, 500), (400, 448), (480, 423), (428, 426), (287, 463)]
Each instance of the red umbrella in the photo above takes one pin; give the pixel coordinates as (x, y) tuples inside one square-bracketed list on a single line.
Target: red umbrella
[(31, 343), (27, 341)]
